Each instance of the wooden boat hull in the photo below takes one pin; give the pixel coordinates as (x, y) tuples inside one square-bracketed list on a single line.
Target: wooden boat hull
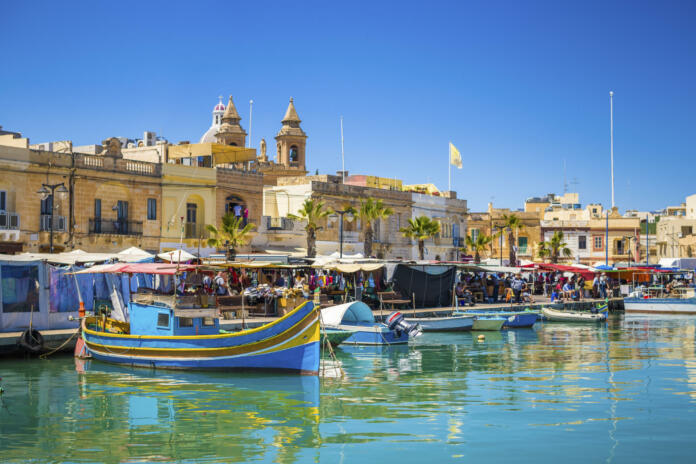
[(290, 343), (443, 324), (513, 319), (660, 305), (488, 323), (334, 336), (554, 315)]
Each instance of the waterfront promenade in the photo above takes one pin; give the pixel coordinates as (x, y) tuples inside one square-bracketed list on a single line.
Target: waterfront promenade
[(55, 338)]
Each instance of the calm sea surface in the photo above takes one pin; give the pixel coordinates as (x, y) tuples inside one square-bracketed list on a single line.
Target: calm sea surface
[(622, 392)]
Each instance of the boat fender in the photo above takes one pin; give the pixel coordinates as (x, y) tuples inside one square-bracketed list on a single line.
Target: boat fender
[(481, 338), (397, 323), (31, 341)]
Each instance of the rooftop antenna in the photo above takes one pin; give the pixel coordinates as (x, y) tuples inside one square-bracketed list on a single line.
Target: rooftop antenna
[(343, 157), (565, 181)]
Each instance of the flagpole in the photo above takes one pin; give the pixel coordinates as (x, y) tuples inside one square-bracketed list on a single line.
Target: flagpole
[(449, 170)]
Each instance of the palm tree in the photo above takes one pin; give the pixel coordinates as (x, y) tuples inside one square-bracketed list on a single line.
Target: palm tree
[(371, 210), (421, 229), (512, 224), (554, 248), (313, 212), (233, 233), (478, 245)]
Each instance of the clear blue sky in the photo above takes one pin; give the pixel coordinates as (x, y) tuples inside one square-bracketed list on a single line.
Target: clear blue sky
[(517, 86)]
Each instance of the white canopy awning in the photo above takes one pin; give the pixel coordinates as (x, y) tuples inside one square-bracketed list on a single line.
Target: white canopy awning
[(176, 256)]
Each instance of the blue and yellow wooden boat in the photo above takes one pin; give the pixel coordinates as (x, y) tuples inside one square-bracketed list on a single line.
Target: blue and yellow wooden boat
[(180, 332)]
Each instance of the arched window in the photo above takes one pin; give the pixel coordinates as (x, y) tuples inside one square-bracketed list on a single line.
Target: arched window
[(293, 154), (233, 144)]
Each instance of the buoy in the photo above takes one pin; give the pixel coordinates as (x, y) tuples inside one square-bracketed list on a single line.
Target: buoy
[(481, 337)]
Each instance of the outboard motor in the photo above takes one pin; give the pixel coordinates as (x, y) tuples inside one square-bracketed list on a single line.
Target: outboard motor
[(397, 323)]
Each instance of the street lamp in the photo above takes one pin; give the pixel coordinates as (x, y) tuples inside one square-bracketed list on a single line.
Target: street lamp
[(49, 190), (348, 213)]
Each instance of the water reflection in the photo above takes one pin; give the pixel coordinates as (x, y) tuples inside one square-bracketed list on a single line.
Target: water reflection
[(607, 392)]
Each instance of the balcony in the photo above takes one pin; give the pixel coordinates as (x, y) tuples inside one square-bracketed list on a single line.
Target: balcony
[(115, 226), (9, 221), (58, 223)]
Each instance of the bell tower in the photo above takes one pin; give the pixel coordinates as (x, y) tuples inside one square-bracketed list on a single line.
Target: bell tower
[(231, 132), (291, 140)]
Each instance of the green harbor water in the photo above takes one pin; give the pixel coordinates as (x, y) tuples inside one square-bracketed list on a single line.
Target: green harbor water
[(621, 392)]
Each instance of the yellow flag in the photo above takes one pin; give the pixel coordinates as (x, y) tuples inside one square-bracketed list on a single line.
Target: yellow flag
[(455, 157)]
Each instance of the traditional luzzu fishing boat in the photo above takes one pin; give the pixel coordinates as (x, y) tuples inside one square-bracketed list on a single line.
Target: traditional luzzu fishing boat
[(555, 315), (182, 332), (358, 318)]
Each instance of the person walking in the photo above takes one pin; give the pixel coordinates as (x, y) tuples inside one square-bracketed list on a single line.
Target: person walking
[(518, 284)]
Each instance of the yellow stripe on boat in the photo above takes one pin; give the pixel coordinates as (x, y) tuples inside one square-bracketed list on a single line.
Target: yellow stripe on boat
[(191, 337), (267, 345)]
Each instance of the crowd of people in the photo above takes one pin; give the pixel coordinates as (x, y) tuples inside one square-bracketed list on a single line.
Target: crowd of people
[(494, 287)]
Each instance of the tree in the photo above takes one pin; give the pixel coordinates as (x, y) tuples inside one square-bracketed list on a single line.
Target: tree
[(312, 211), (478, 245), (512, 223), (421, 229), (232, 233), (371, 210), (555, 247)]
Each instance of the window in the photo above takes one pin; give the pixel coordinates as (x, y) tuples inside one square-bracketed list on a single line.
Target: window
[(163, 320), (474, 234), (598, 242), (293, 154), (97, 208), (522, 244), (208, 321), (582, 242), (47, 205), (620, 249), (685, 230), (185, 322), (151, 209), (191, 213), (3, 200), (122, 208)]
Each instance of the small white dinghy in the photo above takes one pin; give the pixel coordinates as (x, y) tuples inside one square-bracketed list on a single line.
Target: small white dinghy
[(555, 315)]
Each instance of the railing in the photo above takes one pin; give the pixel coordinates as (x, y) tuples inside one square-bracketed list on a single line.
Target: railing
[(9, 220), (279, 223), (194, 230), (115, 226), (140, 167), (58, 223)]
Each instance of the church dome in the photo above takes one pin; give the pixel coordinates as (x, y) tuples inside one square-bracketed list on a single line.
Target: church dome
[(209, 136), (219, 107)]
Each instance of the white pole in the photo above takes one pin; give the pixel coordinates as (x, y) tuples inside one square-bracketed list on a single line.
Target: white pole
[(343, 156), (611, 124), (251, 107), (449, 170)]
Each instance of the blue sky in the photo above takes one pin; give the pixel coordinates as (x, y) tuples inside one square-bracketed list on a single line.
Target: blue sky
[(518, 87)]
